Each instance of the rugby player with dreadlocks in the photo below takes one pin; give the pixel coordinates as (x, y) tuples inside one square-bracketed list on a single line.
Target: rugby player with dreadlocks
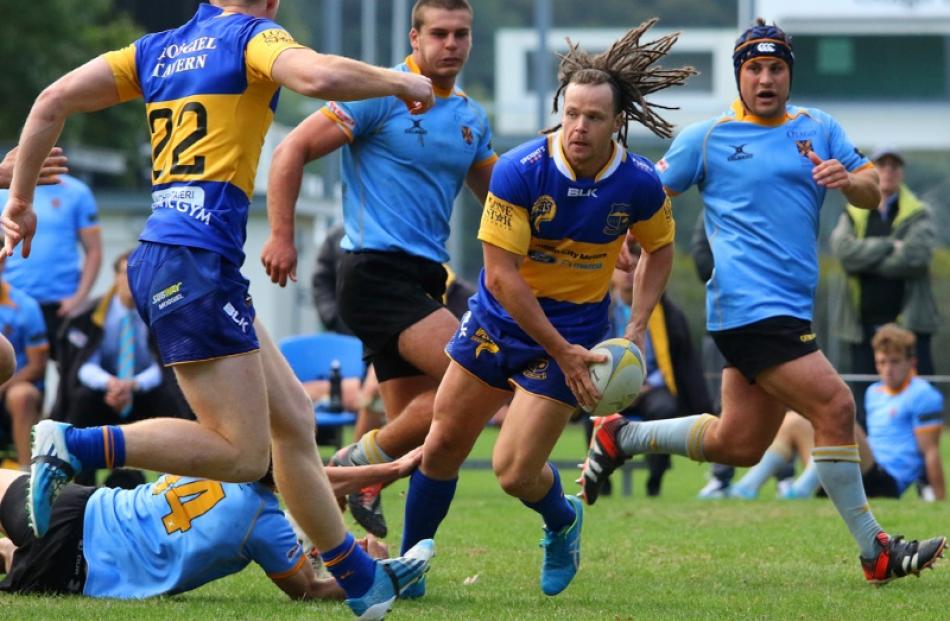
[(557, 214), (763, 169)]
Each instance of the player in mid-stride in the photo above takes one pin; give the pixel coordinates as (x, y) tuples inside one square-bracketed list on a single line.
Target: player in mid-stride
[(210, 89), (763, 169), (558, 211)]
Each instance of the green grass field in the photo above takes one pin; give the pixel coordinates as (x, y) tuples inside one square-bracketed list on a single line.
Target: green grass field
[(669, 558)]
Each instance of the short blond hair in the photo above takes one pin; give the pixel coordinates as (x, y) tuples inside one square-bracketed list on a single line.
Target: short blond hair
[(893, 339), (448, 5)]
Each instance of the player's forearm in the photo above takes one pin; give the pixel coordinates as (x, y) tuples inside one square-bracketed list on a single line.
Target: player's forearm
[(43, 126), (90, 270), (864, 190), (649, 282), (511, 290), (934, 467), (345, 79), (283, 188)]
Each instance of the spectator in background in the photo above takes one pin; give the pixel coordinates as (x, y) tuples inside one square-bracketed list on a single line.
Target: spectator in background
[(110, 369), (886, 253), (55, 277), (21, 396)]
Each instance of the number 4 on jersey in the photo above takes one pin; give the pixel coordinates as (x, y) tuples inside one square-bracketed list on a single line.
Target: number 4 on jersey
[(200, 497)]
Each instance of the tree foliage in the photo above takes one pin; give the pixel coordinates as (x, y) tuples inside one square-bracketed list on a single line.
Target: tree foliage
[(43, 40)]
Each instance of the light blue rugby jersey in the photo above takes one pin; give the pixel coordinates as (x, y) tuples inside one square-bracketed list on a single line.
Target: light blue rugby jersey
[(761, 207), (53, 271), (402, 172), (179, 533), (892, 419), (21, 321), (569, 230)]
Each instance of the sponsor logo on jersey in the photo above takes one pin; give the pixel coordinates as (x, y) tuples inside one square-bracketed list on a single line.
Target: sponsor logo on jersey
[(275, 36), (485, 343), (543, 210), (498, 213), (662, 165), (532, 157), (739, 154), (188, 200), (418, 130), (617, 221), (467, 134), (341, 114), (582, 192), (538, 370)]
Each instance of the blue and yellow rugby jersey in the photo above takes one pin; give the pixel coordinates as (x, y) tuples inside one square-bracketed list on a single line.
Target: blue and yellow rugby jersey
[(892, 419), (569, 230), (402, 172), (762, 206), (209, 99), (52, 272), (179, 533), (21, 321)]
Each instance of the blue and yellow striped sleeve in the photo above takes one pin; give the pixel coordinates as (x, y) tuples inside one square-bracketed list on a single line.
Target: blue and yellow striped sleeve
[(505, 225), (122, 64), (264, 48), (658, 230)]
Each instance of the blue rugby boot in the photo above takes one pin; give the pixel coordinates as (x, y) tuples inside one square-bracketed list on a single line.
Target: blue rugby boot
[(562, 552), (393, 577), (52, 467)]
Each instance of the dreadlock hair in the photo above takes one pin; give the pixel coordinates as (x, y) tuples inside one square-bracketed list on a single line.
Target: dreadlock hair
[(626, 68)]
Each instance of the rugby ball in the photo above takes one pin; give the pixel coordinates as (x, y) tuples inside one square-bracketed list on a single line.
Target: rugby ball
[(619, 378)]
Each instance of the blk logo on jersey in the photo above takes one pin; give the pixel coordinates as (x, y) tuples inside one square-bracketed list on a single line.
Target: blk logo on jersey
[(467, 134), (418, 130), (740, 153), (804, 147), (582, 192), (543, 210)]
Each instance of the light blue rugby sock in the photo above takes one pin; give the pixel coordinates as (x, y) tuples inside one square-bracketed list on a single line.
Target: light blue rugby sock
[(772, 461), (676, 436), (839, 470), (807, 482)]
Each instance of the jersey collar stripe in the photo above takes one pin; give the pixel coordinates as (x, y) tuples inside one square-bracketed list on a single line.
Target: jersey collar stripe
[(616, 158), (560, 160)]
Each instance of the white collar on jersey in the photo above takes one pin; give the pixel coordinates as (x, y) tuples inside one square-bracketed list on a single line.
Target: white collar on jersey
[(556, 149)]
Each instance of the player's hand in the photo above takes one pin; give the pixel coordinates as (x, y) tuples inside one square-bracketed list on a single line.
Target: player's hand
[(54, 166), (417, 93), (830, 174), (279, 258), (68, 306), (408, 462), (19, 225), (374, 547), (574, 362)]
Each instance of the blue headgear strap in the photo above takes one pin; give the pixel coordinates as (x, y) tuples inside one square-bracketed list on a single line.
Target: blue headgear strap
[(763, 40)]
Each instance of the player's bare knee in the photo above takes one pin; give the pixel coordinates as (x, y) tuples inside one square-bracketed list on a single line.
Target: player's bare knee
[(252, 465), (836, 417), (442, 454)]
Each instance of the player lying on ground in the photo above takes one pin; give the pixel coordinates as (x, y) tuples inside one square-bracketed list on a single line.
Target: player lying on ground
[(170, 536)]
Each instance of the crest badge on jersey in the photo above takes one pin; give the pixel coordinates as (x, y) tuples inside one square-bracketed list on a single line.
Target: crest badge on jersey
[(538, 370), (467, 135), (543, 210), (804, 147), (618, 220)]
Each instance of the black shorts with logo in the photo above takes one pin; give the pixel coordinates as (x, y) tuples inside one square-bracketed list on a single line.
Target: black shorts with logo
[(55, 563), (380, 294), (758, 346)]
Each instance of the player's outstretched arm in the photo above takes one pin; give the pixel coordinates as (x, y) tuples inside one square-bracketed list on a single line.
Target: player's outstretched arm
[(315, 137), (85, 89), (326, 76), (928, 441), (350, 479), (649, 282)]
